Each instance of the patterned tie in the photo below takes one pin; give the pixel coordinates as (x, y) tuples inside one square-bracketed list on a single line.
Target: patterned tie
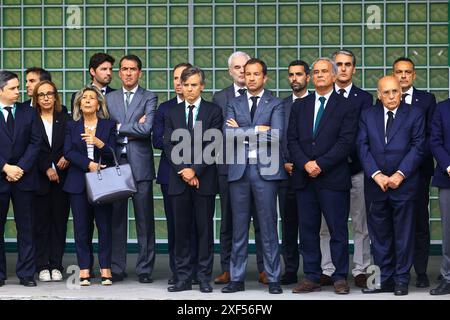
[(242, 91), (190, 123), (254, 106), (389, 123), (10, 121), (127, 100), (319, 114)]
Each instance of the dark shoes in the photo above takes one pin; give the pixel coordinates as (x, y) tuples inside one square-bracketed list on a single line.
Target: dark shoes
[(422, 281), (306, 286), (180, 286), (441, 289), (361, 280), (224, 278), (205, 287), (262, 278), (275, 288), (325, 280), (194, 280), (28, 282), (401, 289), (144, 278), (172, 280), (233, 286), (116, 277), (2, 282), (288, 278), (341, 287)]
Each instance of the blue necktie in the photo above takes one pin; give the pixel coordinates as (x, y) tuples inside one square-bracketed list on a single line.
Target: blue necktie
[(319, 114)]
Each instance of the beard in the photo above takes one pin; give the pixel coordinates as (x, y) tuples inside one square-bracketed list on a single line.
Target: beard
[(297, 87)]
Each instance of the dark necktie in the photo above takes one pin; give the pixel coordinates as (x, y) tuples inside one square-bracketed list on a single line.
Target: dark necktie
[(103, 91), (296, 100), (389, 124), (242, 91), (254, 106), (10, 121), (190, 123), (342, 92), (404, 97), (319, 114)]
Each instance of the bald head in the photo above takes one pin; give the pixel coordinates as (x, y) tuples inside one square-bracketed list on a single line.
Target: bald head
[(389, 92)]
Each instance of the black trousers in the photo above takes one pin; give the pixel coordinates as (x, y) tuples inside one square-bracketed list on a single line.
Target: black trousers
[(50, 227), (188, 207), (422, 231)]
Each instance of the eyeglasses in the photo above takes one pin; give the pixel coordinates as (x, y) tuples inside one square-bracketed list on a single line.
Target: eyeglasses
[(49, 95), (388, 93)]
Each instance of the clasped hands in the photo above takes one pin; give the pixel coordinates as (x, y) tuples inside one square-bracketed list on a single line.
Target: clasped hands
[(188, 176), (312, 168), (13, 173), (52, 174), (385, 182)]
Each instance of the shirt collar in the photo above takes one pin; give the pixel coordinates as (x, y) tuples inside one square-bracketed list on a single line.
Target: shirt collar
[(258, 95), (294, 97), (327, 96), (347, 88), (236, 88), (393, 111), (196, 103), (179, 100), (410, 91), (2, 106), (132, 90)]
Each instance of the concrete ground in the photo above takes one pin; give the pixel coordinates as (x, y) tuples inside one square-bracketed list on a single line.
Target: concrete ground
[(130, 289)]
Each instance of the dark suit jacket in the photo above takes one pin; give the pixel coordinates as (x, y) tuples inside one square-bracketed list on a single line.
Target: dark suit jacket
[(21, 149), (427, 102), (211, 117), (361, 100), (270, 112), (51, 154), (27, 103), (158, 140), (75, 150), (404, 151), (440, 143), (72, 99), (330, 147)]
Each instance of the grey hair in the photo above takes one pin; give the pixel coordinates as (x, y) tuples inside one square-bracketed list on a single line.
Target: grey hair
[(333, 64), (5, 76), (102, 112), (190, 71), (344, 52), (237, 54)]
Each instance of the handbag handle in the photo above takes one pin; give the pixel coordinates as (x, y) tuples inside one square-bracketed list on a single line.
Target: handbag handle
[(99, 173)]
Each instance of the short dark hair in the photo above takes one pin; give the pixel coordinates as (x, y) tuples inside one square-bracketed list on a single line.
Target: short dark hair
[(98, 58), (344, 52), (183, 64), (190, 71), (257, 61), (131, 57), (405, 59), (5, 76), (300, 63), (42, 73)]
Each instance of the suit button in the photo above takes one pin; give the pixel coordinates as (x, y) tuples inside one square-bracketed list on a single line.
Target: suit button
[(313, 143)]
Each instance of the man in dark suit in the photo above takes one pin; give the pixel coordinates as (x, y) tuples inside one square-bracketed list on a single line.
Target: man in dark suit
[(193, 181), (20, 142), (162, 178), (100, 70), (254, 127), (133, 109), (346, 64), (390, 143), (222, 98), (34, 75), (321, 133), (440, 147), (298, 76), (403, 70)]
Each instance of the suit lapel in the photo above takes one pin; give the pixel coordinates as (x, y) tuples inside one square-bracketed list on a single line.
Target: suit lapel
[(329, 109), (202, 112), (18, 118), (307, 116), (379, 121), (262, 105), (245, 108), (3, 126), (415, 100), (230, 93)]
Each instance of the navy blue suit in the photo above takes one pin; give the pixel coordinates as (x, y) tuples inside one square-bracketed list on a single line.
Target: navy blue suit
[(162, 179), (192, 205), (75, 150), (440, 143), (328, 193), (390, 214), (258, 181), (427, 103), (20, 149)]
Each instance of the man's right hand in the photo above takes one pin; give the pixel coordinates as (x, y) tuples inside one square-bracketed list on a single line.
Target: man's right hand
[(382, 181), (52, 175), (289, 167), (13, 172)]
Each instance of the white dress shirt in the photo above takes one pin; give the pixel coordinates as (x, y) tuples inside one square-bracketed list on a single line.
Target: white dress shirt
[(347, 89)]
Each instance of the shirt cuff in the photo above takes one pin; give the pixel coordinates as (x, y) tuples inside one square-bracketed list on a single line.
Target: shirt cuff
[(375, 173), (448, 170), (401, 173), (118, 127)]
